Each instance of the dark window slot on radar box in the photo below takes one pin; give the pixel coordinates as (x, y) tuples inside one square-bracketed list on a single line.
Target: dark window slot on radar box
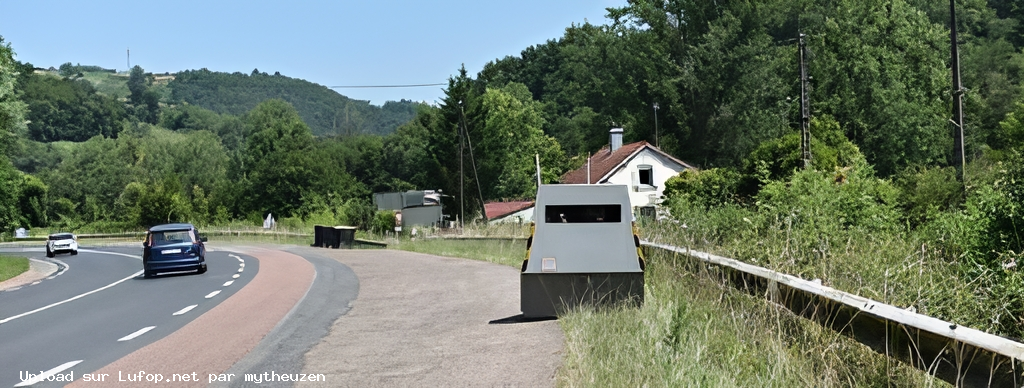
[(578, 214)]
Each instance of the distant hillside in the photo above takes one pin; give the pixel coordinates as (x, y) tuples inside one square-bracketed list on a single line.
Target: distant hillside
[(324, 110)]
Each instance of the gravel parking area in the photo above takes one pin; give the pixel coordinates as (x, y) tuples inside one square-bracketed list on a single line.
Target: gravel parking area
[(422, 320)]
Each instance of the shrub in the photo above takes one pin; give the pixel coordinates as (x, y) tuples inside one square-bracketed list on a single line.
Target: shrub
[(358, 213), (925, 192), (705, 188), (827, 202), (291, 223), (778, 158), (383, 222)]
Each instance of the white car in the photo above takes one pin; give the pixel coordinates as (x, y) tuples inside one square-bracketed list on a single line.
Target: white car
[(61, 243)]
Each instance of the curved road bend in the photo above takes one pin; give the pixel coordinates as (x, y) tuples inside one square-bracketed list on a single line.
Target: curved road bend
[(98, 308), (213, 342)]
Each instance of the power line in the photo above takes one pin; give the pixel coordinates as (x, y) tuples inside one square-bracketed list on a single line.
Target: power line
[(384, 86)]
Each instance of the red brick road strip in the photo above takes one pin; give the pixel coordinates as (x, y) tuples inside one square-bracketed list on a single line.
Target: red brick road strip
[(217, 339)]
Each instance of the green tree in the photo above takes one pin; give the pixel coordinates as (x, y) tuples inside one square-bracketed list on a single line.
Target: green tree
[(63, 109), (325, 111), (138, 83), (779, 158), (283, 165), (407, 158), (32, 201), (512, 134), (275, 126), (95, 170), (145, 101), (10, 184), (879, 74), (12, 110), (12, 124)]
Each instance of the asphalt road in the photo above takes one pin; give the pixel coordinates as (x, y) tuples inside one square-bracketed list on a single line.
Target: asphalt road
[(98, 308)]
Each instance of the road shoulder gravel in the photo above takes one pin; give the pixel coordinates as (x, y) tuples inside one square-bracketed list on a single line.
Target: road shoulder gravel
[(422, 320)]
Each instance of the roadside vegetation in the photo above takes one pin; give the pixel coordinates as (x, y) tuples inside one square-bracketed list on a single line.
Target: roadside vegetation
[(694, 331), (917, 241), (510, 252), (11, 266)]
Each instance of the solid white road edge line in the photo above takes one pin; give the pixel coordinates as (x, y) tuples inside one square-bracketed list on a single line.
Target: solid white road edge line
[(228, 283), (212, 294), (48, 374), (132, 276), (111, 253), (185, 310), (132, 336)]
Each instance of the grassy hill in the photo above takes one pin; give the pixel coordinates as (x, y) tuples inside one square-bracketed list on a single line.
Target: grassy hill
[(326, 112)]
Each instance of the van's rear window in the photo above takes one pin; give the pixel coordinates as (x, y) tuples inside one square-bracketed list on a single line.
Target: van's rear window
[(571, 214), (171, 237)]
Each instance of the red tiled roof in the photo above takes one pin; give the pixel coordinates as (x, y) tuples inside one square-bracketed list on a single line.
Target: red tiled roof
[(603, 162), (501, 209)]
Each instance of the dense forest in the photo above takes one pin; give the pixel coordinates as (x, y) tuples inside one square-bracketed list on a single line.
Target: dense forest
[(326, 112)]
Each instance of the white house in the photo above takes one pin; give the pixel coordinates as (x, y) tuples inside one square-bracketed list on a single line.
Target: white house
[(641, 166)]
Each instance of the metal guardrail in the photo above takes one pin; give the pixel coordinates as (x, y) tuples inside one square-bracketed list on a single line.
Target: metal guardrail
[(963, 356)]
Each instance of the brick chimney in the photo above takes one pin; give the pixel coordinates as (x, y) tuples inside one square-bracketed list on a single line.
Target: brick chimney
[(615, 139)]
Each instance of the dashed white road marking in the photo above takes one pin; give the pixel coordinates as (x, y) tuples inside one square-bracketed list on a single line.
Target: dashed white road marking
[(236, 276), (48, 374), (212, 294), (132, 276), (228, 283), (240, 269), (185, 310), (132, 336)]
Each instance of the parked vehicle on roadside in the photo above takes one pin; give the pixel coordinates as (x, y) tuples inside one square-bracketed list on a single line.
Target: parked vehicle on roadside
[(173, 248), (61, 243)]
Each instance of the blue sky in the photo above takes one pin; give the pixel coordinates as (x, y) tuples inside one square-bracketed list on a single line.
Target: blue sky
[(326, 42)]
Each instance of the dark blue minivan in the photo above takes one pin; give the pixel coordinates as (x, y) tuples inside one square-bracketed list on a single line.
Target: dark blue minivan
[(173, 248)]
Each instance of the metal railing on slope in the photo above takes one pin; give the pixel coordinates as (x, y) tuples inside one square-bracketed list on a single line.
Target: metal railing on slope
[(960, 355)]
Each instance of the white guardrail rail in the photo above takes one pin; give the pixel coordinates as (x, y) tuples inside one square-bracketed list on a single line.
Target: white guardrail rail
[(961, 355)]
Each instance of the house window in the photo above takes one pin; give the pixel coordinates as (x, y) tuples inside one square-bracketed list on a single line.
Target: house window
[(643, 180), (646, 175)]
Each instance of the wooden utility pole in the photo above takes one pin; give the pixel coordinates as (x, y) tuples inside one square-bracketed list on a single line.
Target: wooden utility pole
[(805, 109), (462, 175), (655, 127), (472, 160), (958, 93)]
